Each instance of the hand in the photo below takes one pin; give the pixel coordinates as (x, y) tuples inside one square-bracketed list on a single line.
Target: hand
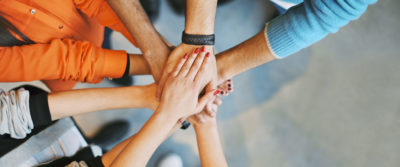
[(176, 56), (183, 85), (207, 117)]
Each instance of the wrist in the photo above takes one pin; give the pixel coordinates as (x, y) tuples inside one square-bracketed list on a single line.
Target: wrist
[(149, 94), (199, 30), (169, 110), (168, 122), (156, 60), (209, 125), (158, 49)]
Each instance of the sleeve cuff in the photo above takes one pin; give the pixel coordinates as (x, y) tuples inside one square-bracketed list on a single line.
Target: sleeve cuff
[(268, 43), (115, 63), (39, 109), (278, 39)]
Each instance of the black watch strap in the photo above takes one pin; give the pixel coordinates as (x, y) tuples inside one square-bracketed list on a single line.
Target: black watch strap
[(185, 125), (192, 39)]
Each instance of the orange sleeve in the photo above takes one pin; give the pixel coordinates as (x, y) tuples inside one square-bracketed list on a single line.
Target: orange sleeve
[(60, 59), (105, 15)]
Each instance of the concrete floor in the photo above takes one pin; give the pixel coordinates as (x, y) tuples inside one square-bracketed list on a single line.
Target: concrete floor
[(333, 104)]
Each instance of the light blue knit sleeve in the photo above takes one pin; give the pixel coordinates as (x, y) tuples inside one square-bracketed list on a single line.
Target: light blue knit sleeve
[(309, 22)]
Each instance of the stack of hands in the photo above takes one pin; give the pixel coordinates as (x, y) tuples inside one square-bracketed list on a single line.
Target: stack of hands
[(189, 86), (188, 91)]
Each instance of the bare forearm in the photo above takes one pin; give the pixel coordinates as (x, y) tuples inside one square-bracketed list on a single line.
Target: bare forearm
[(138, 65), (74, 102), (153, 47), (245, 56), (139, 150), (210, 148), (111, 155), (200, 16)]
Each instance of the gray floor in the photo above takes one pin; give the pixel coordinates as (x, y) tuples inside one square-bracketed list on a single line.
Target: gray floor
[(333, 104)]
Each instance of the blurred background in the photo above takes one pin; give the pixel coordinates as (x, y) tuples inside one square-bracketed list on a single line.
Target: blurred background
[(336, 103)]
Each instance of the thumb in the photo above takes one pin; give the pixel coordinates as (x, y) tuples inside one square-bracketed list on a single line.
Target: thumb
[(208, 97), (211, 85)]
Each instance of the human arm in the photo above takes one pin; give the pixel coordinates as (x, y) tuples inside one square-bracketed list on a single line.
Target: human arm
[(299, 27), (152, 45), (138, 65), (74, 102), (28, 107), (247, 55), (200, 17), (64, 59), (109, 157), (179, 99), (208, 141), (309, 22), (209, 145)]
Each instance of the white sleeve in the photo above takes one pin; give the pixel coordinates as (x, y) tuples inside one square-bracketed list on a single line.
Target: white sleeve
[(15, 117)]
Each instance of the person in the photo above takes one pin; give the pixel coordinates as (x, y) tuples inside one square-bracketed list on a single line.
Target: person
[(179, 100), (300, 26), (59, 42)]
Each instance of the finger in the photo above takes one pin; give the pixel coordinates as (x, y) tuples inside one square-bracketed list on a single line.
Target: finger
[(188, 64), (230, 86), (197, 64), (211, 85), (223, 93), (226, 93), (208, 108), (208, 97), (218, 101), (215, 110), (202, 71), (210, 111), (179, 65), (181, 120), (230, 90), (213, 114), (199, 119)]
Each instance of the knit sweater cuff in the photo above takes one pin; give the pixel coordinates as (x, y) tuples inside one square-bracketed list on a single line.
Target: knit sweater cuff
[(278, 40)]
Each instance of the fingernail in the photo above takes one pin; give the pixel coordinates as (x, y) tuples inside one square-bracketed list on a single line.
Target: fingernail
[(208, 54), (216, 92), (196, 50), (229, 80), (185, 57), (229, 88), (229, 85), (203, 49), (222, 92)]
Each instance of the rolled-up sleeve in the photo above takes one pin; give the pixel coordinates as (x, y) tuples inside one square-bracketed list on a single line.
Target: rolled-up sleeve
[(60, 59)]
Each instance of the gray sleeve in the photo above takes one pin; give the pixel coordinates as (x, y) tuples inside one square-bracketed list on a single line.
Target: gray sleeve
[(15, 117)]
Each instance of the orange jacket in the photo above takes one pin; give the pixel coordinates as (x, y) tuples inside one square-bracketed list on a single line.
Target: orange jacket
[(68, 35)]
